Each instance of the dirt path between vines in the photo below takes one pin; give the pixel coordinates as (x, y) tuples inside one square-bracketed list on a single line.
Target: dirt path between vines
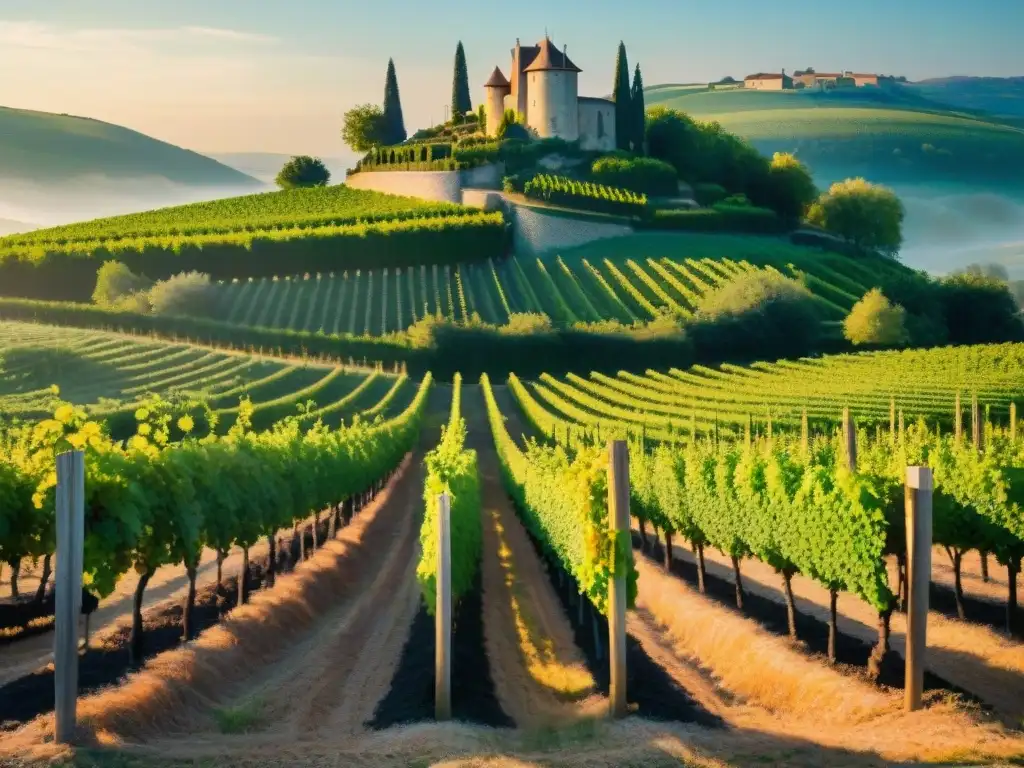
[(972, 657), (540, 675), (334, 678)]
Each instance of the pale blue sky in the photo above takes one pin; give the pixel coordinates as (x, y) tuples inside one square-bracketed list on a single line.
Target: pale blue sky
[(276, 75)]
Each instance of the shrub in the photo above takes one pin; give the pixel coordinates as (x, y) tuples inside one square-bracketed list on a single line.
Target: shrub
[(789, 188), (866, 215), (979, 310), (734, 201), (115, 282), (640, 174), (303, 171), (190, 294), (759, 315), (876, 321), (708, 194)]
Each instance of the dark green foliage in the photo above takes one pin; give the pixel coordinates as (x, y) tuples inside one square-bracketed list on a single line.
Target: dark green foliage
[(582, 194), (708, 194), (461, 102), (69, 274), (642, 174), (979, 310), (720, 218), (363, 127), (788, 189), (759, 314), (409, 157), (394, 123), (639, 124), (303, 171), (624, 117)]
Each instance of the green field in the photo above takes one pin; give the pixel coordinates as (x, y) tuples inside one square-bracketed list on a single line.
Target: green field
[(631, 279), (48, 148), (889, 135), (289, 209), (108, 372)]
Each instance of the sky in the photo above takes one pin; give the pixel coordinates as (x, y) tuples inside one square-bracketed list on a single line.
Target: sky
[(277, 75)]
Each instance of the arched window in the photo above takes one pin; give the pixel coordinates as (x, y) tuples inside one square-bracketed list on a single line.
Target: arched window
[(600, 125)]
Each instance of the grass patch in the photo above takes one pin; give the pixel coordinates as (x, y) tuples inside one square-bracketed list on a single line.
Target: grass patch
[(243, 718)]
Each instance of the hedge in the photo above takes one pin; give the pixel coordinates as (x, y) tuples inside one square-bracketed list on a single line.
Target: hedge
[(69, 274), (722, 218), (651, 177), (386, 350)]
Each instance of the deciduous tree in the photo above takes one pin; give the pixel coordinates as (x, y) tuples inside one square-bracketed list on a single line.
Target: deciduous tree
[(363, 127), (877, 321), (303, 171), (867, 215)]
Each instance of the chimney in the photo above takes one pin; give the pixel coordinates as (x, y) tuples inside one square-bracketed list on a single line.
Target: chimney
[(783, 71)]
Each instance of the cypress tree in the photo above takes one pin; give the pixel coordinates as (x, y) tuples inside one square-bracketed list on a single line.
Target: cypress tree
[(639, 113), (394, 124), (624, 119), (461, 102)]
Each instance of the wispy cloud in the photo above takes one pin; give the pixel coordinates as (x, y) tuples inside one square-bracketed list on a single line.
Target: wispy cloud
[(32, 34)]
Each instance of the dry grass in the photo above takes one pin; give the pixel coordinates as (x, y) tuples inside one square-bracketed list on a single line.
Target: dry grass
[(173, 687), (799, 697), (751, 662)]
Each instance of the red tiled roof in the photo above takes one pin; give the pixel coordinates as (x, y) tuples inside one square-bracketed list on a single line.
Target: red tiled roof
[(497, 80), (550, 57)]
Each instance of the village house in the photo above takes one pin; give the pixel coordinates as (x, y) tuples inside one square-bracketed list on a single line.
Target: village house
[(768, 81)]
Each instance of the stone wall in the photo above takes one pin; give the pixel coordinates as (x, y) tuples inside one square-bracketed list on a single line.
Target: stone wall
[(443, 186), (488, 199), (537, 230)]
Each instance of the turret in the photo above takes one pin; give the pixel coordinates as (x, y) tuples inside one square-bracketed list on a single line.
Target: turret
[(496, 88), (553, 93)]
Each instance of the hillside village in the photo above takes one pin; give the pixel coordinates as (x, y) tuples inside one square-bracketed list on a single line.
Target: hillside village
[(809, 78)]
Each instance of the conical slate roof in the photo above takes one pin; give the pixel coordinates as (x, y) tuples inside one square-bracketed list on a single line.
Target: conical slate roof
[(550, 57), (497, 80)]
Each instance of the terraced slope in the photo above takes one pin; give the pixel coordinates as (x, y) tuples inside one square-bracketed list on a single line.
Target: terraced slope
[(668, 405), (109, 373), (633, 279)]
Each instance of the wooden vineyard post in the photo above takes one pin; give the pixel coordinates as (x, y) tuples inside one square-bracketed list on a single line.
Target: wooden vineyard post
[(958, 419), (850, 438), (919, 570), (68, 589), (618, 522), (443, 612), (977, 430)]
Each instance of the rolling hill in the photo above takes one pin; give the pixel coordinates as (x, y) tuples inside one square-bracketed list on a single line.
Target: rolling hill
[(1000, 96), (894, 135)]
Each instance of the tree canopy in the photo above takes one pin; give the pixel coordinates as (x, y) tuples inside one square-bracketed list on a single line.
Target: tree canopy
[(363, 127), (394, 123), (461, 102), (303, 171), (639, 123), (790, 187), (877, 321), (867, 215), (622, 97)]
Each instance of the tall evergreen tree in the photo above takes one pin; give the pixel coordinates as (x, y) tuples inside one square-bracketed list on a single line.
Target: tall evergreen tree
[(624, 120), (639, 113), (461, 102), (394, 124)]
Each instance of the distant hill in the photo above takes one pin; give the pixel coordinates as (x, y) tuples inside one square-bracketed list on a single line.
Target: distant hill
[(896, 135), (1000, 96), (10, 227), (265, 165), (44, 147)]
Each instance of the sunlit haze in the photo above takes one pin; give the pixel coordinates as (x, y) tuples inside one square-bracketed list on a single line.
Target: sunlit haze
[(276, 77)]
